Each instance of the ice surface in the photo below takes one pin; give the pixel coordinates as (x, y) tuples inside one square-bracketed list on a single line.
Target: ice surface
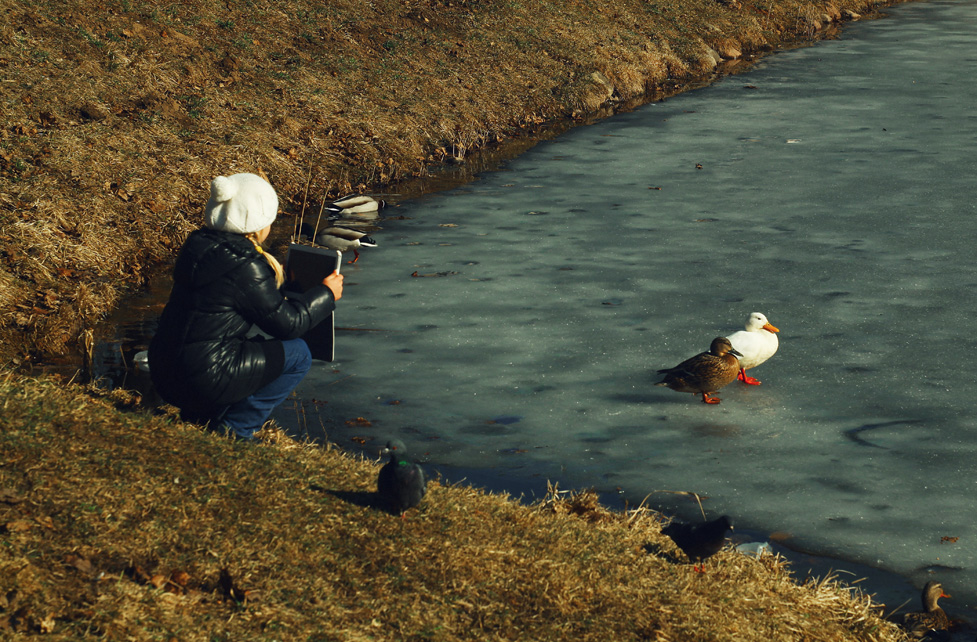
[(516, 324)]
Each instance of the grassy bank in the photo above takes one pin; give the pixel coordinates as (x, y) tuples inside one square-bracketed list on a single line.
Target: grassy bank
[(116, 114), (115, 524)]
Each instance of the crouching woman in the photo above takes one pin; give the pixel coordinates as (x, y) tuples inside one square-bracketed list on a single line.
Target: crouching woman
[(203, 358)]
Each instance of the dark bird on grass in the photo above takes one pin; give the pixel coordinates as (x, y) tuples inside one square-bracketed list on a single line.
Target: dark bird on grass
[(342, 239), (706, 372), (932, 618), (699, 541), (401, 483)]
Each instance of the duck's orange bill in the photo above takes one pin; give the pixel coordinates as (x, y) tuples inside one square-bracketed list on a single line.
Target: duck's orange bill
[(770, 328)]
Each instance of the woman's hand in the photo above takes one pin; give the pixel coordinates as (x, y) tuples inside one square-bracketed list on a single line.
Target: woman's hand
[(335, 283)]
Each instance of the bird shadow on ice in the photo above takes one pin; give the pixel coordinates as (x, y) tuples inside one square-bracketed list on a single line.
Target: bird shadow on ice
[(683, 399), (701, 428), (641, 398)]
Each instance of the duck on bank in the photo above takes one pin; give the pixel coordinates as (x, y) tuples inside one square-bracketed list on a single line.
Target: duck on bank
[(922, 624)]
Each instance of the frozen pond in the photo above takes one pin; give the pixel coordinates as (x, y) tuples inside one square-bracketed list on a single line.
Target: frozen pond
[(514, 325)]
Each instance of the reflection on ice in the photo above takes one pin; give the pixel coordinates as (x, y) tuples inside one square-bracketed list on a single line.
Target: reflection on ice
[(517, 324)]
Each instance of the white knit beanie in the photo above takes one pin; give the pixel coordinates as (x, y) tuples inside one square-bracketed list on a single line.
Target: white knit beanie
[(241, 203)]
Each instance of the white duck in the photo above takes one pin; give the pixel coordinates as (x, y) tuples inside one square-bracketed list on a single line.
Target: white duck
[(757, 344)]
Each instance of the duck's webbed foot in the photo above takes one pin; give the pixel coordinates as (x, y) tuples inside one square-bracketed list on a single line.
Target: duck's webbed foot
[(707, 399), (750, 381)]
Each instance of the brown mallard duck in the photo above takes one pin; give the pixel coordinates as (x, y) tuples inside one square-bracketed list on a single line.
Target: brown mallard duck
[(705, 373), (932, 617)]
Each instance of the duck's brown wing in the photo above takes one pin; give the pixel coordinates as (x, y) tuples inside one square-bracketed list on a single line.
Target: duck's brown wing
[(688, 365), (708, 371), (677, 380), (697, 374), (716, 372), (920, 623)]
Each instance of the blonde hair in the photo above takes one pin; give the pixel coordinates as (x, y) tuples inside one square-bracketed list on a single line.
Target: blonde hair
[(272, 261)]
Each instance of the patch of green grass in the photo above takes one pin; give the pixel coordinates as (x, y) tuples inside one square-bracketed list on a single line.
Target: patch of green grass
[(346, 63), (243, 41), (90, 38), (194, 105)]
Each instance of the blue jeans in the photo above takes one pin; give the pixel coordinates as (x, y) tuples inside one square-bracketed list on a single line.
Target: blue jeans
[(245, 417)]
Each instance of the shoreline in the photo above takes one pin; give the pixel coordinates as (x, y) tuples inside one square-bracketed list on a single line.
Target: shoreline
[(895, 590), (286, 539), (892, 588)]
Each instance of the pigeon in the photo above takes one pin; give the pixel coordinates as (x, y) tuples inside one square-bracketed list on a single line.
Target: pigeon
[(932, 618), (706, 372), (699, 541), (757, 343), (401, 483)]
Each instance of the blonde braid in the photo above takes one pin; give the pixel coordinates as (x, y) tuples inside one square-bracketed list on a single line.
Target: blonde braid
[(272, 261)]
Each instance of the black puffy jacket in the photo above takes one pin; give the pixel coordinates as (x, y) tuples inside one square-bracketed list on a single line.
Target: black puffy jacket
[(201, 359)]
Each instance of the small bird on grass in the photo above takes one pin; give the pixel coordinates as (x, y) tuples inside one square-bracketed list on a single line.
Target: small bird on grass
[(401, 483), (757, 343), (699, 541), (932, 618), (706, 372)]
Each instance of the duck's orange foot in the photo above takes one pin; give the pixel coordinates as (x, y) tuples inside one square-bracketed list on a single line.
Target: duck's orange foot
[(356, 257), (707, 399), (750, 381), (699, 568)]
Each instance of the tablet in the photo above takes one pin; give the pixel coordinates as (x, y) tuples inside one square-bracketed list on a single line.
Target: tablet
[(305, 267), (308, 265)]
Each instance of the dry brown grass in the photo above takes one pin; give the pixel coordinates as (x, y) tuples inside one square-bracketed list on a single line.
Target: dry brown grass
[(120, 525), (117, 114)]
